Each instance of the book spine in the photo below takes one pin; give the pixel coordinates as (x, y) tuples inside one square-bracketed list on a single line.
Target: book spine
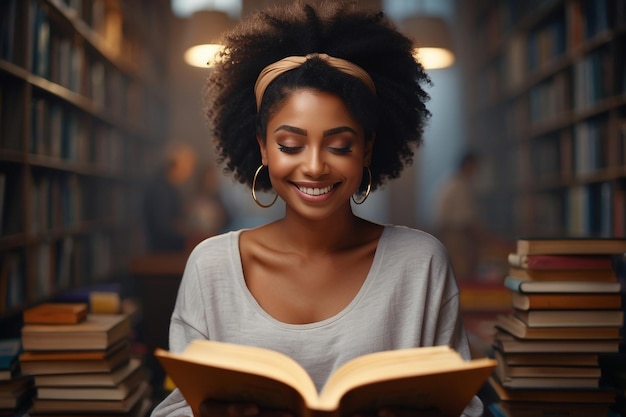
[(567, 262)]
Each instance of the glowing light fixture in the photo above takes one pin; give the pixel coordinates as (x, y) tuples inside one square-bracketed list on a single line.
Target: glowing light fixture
[(203, 33), (432, 39)]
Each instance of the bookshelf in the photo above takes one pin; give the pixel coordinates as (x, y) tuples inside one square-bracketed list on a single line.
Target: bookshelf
[(546, 106), (83, 113)]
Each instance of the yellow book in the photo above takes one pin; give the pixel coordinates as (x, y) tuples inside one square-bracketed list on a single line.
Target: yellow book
[(427, 378)]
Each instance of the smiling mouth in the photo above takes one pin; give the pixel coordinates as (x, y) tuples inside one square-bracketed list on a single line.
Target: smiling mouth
[(316, 191)]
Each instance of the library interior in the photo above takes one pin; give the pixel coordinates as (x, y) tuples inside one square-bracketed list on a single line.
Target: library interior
[(109, 179)]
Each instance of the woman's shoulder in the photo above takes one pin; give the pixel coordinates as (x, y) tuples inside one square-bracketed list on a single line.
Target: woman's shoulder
[(403, 237), (215, 246), (404, 247)]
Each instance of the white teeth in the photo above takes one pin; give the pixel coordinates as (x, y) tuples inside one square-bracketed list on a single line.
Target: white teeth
[(315, 191)]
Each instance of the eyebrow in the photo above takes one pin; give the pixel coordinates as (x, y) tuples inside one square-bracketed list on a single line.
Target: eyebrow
[(337, 130), (291, 129), (303, 132)]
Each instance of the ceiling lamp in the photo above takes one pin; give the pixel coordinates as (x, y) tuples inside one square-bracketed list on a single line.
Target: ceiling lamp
[(432, 39), (203, 32)]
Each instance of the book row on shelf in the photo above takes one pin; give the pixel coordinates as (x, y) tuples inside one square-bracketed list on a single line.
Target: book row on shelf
[(566, 32), (562, 155), (547, 88), (560, 346), (581, 210), (82, 121), (566, 28), (62, 132), (59, 266), (104, 87)]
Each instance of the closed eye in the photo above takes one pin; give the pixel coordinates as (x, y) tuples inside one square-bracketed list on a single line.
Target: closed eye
[(343, 150), (289, 149)]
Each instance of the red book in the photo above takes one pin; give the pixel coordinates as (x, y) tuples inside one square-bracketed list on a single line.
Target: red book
[(560, 261)]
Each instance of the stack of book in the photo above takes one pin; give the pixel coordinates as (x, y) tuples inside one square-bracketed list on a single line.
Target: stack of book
[(81, 363), (15, 389), (567, 314)]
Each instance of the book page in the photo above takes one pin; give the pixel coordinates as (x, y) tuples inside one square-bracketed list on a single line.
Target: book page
[(264, 362), (405, 377), (238, 373), (377, 365), (446, 391)]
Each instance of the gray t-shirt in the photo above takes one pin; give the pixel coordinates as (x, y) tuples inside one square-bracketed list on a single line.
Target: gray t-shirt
[(409, 298)]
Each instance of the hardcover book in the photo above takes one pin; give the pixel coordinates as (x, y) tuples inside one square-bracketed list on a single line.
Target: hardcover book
[(559, 377), (96, 379), (41, 406), (56, 313), (119, 392), (518, 328), (571, 318), (588, 301), (97, 331), (75, 362), (568, 287), (599, 275), (571, 246), (427, 378), (506, 343), (578, 396), (551, 262), (551, 358)]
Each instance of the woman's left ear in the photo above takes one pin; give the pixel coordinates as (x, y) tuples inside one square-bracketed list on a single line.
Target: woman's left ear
[(263, 149)]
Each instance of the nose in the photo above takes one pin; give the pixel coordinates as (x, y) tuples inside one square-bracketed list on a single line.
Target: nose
[(315, 165)]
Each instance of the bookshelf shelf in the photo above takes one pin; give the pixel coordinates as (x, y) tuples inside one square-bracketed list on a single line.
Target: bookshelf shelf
[(81, 118), (547, 108)]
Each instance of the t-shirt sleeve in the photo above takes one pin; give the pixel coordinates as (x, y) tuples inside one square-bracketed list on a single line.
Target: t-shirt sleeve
[(188, 320)]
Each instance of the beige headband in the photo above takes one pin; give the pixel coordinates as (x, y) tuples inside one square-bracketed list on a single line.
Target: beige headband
[(269, 73)]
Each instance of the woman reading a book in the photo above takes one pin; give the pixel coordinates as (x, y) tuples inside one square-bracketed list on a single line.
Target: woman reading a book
[(320, 106)]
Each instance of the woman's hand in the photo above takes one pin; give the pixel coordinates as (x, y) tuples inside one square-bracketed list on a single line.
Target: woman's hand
[(211, 408)]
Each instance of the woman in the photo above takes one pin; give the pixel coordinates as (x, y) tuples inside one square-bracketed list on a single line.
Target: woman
[(321, 106)]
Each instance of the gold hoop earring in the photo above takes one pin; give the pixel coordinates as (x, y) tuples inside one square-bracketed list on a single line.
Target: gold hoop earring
[(256, 174), (367, 191)]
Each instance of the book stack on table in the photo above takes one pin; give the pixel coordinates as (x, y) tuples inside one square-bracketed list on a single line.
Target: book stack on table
[(81, 363), (567, 319), (15, 389)]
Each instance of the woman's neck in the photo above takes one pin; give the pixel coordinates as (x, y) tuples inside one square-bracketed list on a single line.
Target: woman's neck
[(322, 236)]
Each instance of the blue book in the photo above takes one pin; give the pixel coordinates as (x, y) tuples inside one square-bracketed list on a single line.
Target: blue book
[(495, 410), (10, 350), (530, 286)]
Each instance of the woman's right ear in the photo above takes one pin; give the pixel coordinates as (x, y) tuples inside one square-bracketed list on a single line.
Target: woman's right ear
[(263, 149)]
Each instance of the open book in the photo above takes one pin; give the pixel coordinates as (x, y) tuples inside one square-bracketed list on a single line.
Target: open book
[(420, 378)]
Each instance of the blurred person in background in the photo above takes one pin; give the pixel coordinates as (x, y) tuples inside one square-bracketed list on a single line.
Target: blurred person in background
[(208, 215), (459, 222), (164, 208)]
